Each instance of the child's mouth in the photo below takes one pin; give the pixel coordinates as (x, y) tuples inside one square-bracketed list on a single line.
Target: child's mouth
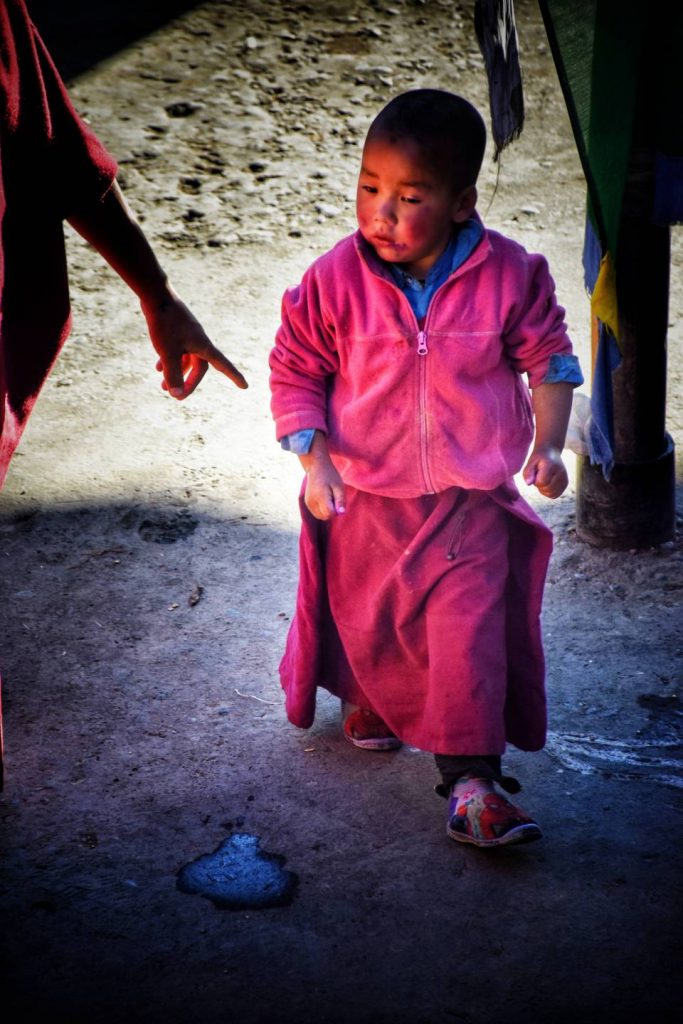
[(383, 240)]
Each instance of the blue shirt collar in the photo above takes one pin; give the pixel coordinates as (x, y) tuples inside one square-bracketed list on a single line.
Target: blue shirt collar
[(460, 247)]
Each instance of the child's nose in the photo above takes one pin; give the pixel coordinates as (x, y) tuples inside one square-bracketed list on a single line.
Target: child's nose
[(386, 211)]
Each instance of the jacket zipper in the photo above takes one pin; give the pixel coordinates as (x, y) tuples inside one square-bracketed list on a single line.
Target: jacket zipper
[(422, 351)]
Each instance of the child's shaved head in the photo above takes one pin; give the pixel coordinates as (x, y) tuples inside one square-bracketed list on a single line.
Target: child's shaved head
[(448, 130)]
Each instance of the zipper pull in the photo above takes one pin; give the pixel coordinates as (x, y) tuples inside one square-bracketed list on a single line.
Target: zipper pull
[(421, 343)]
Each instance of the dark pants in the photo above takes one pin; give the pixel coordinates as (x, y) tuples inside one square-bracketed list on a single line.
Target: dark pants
[(484, 766)]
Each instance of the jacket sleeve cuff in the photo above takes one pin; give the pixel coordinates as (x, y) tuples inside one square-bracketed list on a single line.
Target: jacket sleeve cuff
[(298, 442), (304, 419), (561, 368)]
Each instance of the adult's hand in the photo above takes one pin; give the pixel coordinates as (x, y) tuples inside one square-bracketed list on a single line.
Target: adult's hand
[(185, 351)]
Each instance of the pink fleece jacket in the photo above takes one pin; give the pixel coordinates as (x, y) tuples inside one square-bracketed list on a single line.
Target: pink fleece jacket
[(410, 410)]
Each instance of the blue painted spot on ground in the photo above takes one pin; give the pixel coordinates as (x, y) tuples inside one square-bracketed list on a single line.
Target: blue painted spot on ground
[(238, 875)]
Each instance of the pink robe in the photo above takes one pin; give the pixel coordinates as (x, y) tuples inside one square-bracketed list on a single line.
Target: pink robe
[(427, 610)]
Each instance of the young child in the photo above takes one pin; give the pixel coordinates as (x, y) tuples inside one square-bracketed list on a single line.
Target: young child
[(396, 378)]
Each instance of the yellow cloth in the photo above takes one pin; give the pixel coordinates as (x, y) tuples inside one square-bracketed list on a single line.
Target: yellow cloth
[(604, 297)]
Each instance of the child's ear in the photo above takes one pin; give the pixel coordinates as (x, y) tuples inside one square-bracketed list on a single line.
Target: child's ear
[(464, 204)]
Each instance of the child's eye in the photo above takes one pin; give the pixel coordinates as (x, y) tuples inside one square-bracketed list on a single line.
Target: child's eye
[(411, 199), (369, 188)]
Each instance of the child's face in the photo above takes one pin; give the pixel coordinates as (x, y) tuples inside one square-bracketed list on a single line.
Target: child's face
[(405, 211)]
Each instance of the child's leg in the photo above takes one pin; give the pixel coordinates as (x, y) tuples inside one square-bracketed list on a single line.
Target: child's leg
[(477, 813), (452, 768)]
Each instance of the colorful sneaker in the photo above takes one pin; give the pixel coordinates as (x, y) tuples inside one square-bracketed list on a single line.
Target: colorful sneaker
[(367, 730), (479, 815)]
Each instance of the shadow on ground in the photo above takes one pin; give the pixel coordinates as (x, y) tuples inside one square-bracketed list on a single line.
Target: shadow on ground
[(80, 34), (145, 729)]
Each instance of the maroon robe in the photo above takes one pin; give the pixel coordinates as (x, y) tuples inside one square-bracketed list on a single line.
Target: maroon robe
[(50, 162)]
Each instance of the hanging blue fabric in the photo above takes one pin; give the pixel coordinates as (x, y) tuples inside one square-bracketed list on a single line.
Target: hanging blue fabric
[(607, 359), (601, 432)]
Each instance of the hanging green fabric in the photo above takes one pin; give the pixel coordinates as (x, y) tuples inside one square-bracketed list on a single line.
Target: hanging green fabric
[(596, 47)]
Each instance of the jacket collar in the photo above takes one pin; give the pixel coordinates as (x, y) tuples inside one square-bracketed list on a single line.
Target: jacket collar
[(378, 267)]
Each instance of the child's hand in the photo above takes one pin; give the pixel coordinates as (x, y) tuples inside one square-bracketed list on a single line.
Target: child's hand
[(546, 470), (325, 494)]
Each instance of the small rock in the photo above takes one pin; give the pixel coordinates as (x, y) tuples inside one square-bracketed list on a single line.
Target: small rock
[(327, 210), (190, 185), (182, 108)]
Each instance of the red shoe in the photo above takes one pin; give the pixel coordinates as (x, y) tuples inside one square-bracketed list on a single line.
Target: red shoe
[(367, 730), (488, 819)]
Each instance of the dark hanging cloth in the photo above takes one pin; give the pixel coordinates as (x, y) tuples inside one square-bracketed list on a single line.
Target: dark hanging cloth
[(618, 65), (494, 22)]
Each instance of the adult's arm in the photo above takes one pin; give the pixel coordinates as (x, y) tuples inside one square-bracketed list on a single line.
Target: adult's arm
[(185, 352)]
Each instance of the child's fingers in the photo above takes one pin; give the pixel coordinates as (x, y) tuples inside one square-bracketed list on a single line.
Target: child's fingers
[(326, 502), (553, 483), (339, 498), (547, 473), (530, 471), (320, 502), (546, 470)]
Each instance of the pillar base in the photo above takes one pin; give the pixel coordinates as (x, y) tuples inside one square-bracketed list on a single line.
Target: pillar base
[(635, 509)]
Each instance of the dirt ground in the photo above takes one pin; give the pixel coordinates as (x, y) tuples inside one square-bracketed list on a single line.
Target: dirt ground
[(148, 576)]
